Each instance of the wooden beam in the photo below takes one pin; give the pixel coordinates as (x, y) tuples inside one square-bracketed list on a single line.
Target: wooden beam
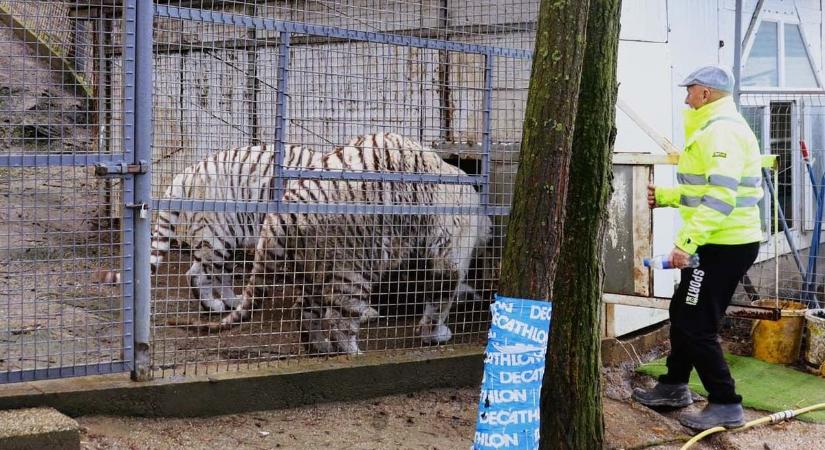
[(641, 229), (740, 311), (609, 320), (635, 300), (642, 159)]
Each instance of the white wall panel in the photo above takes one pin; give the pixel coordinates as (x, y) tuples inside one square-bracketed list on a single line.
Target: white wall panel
[(644, 20), (693, 41), (645, 84)]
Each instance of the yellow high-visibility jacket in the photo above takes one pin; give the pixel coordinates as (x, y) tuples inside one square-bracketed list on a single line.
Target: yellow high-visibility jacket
[(720, 179)]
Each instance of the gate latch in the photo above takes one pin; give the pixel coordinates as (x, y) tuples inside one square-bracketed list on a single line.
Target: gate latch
[(110, 169), (142, 208)]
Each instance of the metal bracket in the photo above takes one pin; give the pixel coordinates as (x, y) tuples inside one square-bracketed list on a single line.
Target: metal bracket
[(113, 169)]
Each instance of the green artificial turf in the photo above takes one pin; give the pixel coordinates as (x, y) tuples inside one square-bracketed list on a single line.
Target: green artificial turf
[(765, 386)]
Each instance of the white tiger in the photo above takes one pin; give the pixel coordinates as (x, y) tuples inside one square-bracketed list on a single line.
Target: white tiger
[(238, 175), (336, 259)]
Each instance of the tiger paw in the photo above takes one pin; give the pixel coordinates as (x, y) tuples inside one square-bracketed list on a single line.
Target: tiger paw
[(361, 310), (348, 346), (368, 314), (213, 305), (436, 334), (321, 345), (237, 315), (231, 302)]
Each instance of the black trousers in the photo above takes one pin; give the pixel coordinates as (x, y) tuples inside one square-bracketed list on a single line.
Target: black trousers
[(696, 313)]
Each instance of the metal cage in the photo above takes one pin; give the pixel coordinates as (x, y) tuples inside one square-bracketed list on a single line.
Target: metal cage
[(372, 144)]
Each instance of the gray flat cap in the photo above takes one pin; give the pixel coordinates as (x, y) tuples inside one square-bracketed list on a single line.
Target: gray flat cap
[(715, 77)]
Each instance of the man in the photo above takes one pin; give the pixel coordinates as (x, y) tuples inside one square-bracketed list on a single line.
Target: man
[(720, 185)]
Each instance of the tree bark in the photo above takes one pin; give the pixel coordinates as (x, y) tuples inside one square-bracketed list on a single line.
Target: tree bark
[(571, 408), (535, 223)]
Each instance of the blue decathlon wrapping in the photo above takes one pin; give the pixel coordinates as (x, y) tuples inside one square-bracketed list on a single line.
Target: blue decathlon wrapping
[(508, 412)]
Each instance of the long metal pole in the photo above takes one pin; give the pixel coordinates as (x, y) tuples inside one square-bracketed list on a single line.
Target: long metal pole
[(128, 190), (487, 135), (281, 122), (737, 53), (143, 187)]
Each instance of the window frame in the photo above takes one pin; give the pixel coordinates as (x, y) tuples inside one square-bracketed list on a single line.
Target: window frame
[(781, 20)]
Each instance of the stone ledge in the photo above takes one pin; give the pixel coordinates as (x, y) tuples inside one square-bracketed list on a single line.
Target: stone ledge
[(292, 384), (38, 428)]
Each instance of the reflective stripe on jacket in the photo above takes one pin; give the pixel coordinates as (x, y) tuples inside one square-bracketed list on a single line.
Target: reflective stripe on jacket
[(720, 179)]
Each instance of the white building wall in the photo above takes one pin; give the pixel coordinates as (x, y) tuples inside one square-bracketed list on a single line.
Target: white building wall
[(652, 63), (662, 42), (644, 67), (693, 41)]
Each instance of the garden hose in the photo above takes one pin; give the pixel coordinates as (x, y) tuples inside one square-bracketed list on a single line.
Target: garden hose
[(773, 418)]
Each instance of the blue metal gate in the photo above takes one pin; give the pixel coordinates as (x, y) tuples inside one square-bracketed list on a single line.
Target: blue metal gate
[(60, 171)]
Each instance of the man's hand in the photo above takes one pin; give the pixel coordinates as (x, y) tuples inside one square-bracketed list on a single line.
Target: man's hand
[(679, 259), (651, 195)]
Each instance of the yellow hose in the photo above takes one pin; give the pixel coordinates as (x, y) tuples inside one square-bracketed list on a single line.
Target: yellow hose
[(773, 418)]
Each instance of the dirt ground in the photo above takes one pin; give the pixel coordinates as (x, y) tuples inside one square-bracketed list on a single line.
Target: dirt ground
[(436, 419), (630, 425)]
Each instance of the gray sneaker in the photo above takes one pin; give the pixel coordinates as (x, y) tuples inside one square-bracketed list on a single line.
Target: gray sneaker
[(673, 395), (715, 415)]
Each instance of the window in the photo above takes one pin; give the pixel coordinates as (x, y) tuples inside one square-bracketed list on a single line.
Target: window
[(779, 57), (781, 140), (762, 66), (798, 69), (777, 130)]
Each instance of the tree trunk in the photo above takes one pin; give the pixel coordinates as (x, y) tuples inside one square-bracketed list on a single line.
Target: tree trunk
[(535, 224), (571, 405)]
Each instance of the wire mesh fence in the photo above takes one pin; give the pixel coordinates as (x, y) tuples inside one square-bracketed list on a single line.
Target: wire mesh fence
[(336, 170), (57, 227), (790, 125), (327, 177)]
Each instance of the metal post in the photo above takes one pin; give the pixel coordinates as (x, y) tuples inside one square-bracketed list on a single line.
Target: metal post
[(280, 115), (737, 53), (127, 242), (101, 82), (486, 140), (102, 97), (252, 80), (143, 187)]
